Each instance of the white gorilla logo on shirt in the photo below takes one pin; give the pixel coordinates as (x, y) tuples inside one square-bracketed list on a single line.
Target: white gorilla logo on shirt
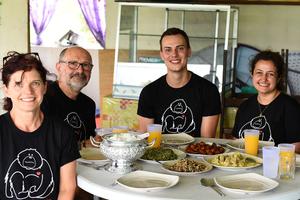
[(259, 123), (29, 176), (178, 118), (75, 122)]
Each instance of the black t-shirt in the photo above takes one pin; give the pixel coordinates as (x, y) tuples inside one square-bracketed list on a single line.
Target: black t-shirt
[(179, 109), (279, 122), (78, 114), (30, 162)]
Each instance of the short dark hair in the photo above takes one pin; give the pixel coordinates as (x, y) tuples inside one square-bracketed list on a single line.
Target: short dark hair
[(175, 31), (276, 59), (14, 62)]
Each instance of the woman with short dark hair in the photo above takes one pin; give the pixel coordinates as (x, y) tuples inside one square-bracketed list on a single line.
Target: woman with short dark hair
[(38, 153), (274, 113)]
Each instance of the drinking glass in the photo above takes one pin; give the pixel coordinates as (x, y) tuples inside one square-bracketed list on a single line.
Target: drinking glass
[(154, 131), (270, 161), (251, 141), (287, 162)]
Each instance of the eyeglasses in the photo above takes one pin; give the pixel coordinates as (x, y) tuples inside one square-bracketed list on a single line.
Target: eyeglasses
[(75, 65), (14, 56)]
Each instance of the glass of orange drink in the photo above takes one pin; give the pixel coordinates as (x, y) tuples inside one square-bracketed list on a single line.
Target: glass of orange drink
[(251, 137), (287, 161), (154, 131)]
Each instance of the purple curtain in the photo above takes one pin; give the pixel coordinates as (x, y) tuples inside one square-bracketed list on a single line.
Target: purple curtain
[(41, 12), (94, 14)]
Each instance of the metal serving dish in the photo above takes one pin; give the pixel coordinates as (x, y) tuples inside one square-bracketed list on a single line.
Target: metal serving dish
[(123, 149)]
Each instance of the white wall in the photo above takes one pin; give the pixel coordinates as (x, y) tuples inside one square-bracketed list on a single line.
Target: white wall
[(111, 23), (13, 30), (273, 27), (49, 57), (13, 26)]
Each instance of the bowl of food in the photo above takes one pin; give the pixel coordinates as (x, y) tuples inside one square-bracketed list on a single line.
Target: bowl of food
[(187, 167), (203, 149), (162, 154)]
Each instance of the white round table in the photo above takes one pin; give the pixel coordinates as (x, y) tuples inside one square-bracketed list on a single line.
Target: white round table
[(102, 184)]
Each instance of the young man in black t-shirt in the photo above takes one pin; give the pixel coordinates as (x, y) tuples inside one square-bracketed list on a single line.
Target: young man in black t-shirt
[(180, 100)]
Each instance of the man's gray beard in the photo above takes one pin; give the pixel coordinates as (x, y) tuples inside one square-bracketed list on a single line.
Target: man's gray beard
[(78, 85)]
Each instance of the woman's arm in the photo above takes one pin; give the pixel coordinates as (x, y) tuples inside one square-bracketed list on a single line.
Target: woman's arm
[(67, 181), (297, 147)]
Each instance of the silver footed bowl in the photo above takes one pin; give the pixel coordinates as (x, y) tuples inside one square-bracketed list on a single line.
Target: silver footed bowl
[(123, 149)]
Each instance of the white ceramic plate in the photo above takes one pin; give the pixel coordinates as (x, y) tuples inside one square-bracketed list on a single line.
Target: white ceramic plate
[(249, 183), (230, 168), (91, 154), (297, 160), (239, 144), (180, 155), (145, 181), (167, 164), (177, 139), (183, 148)]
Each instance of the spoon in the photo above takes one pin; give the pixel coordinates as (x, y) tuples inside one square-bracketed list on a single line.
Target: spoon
[(93, 165), (209, 182), (142, 136)]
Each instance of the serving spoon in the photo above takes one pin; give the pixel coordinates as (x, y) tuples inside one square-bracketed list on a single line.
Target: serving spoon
[(93, 165), (209, 182)]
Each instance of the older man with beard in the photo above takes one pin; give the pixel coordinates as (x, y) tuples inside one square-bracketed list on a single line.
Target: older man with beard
[(63, 97)]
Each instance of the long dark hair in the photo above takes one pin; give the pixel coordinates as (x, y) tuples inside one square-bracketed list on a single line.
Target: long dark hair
[(14, 62)]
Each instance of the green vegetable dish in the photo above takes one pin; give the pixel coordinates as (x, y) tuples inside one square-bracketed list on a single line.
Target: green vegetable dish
[(160, 154)]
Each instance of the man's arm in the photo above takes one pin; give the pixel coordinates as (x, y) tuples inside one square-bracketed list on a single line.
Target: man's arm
[(143, 122), (209, 126), (67, 183)]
